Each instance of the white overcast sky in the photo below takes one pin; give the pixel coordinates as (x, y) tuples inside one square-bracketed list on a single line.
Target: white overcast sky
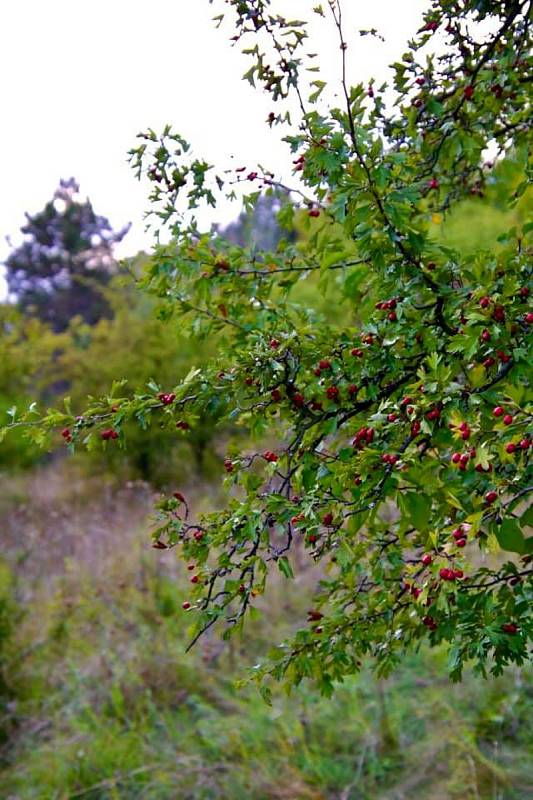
[(80, 79)]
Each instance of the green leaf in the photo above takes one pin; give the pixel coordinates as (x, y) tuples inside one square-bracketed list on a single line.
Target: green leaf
[(320, 85), (510, 537), (418, 508), (285, 567)]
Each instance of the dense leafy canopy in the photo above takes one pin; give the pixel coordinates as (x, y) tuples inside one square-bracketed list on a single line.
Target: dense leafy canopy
[(393, 431), (66, 255)]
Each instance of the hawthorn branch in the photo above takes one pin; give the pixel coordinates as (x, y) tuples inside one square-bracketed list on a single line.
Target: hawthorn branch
[(498, 579)]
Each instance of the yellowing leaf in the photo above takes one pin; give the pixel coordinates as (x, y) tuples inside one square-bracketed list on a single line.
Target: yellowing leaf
[(453, 501), (477, 376), (475, 521)]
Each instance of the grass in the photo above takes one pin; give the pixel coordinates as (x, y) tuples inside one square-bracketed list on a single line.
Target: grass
[(101, 701)]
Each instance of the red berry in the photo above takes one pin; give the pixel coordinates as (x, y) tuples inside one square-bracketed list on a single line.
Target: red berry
[(484, 302), (198, 535), (458, 533), (460, 542), (179, 496), (327, 519), (491, 496), (509, 627), (392, 417), (468, 92), (167, 399), (228, 465), (314, 212), (498, 411), (389, 458), (298, 400), (456, 458), (186, 605), (190, 567), (426, 559), (524, 444), (357, 352), (524, 291), (420, 81), (507, 420), (352, 389), (489, 362), (415, 428), (195, 579), (529, 318), (324, 364), (275, 394), (332, 392), (510, 448), (433, 183), (499, 314), (274, 344), (485, 336)]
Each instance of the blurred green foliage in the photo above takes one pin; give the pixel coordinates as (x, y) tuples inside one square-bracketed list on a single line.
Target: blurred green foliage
[(133, 346)]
